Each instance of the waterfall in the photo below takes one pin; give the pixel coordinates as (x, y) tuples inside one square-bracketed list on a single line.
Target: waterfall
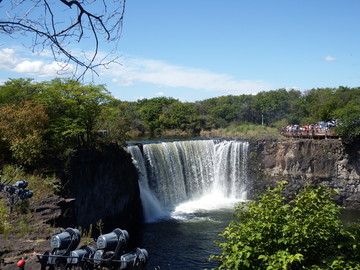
[(184, 174), (151, 205)]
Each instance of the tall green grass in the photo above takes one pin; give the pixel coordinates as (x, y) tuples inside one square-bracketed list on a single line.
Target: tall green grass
[(244, 131)]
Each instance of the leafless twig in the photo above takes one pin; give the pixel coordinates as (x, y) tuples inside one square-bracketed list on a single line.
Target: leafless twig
[(60, 24)]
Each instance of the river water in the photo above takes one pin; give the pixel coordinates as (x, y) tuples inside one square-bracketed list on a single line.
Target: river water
[(185, 242)]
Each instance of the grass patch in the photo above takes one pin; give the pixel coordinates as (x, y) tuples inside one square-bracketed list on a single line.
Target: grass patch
[(23, 225), (5, 225), (244, 131)]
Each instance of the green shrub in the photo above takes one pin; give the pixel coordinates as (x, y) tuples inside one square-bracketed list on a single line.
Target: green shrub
[(304, 233)]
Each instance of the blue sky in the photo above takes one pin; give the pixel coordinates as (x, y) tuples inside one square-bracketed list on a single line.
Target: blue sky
[(197, 49)]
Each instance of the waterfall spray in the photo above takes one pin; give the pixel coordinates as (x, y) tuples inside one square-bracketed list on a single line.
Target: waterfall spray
[(183, 172)]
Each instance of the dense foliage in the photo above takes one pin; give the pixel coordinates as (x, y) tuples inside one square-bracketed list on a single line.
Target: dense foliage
[(47, 120), (304, 233), (23, 126)]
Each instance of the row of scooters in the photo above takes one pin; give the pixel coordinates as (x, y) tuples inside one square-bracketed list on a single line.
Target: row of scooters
[(108, 254)]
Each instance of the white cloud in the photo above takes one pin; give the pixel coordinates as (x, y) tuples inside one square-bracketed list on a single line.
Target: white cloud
[(160, 94), (329, 58), (166, 75), (11, 61), (137, 71), (8, 58), (122, 82)]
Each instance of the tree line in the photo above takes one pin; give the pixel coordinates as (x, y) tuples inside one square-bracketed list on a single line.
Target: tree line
[(48, 120)]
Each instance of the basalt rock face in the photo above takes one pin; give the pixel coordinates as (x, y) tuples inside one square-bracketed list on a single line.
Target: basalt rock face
[(303, 162), (104, 185)]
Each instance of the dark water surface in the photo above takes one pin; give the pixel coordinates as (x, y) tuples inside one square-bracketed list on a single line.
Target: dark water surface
[(349, 217), (185, 242)]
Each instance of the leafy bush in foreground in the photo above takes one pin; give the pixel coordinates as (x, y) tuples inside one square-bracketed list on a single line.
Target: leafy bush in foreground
[(304, 233)]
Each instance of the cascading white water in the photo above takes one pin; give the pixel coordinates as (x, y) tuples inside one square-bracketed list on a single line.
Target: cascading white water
[(151, 205), (189, 175)]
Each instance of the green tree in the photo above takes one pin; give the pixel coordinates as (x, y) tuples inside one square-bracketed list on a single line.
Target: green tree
[(181, 116), (22, 128), (273, 105), (304, 233), (74, 110), (118, 119), (15, 91), (349, 120), (151, 111), (319, 104), (221, 111), (296, 110)]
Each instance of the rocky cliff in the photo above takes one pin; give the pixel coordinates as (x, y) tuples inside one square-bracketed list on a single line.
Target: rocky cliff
[(303, 162), (104, 187)]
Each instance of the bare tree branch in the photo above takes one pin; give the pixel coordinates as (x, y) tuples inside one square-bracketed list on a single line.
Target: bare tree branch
[(60, 24)]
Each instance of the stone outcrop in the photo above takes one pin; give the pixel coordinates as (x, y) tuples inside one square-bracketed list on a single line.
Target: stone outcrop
[(104, 186), (303, 162)]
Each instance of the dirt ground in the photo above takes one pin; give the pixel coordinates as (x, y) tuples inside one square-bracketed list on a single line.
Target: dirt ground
[(30, 235)]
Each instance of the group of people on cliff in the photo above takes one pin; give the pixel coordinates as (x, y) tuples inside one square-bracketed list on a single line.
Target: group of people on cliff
[(325, 128)]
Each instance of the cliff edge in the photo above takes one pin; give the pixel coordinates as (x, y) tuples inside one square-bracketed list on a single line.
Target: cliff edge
[(105, 189), (303, 162)]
